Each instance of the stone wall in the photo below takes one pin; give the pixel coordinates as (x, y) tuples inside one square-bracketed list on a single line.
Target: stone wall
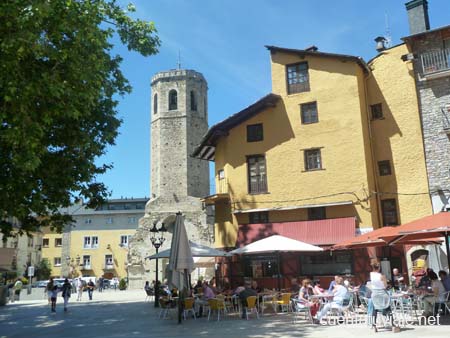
[(434, 101)]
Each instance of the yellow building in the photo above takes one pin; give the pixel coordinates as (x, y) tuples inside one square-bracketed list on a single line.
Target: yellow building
[(334, 150), (97, 243), (52, 251)]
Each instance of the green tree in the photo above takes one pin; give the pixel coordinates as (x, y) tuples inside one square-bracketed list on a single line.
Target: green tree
[(122, 284), (43, 270), (59, 84)]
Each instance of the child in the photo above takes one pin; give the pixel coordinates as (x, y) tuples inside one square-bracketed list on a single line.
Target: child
[(54, 294)]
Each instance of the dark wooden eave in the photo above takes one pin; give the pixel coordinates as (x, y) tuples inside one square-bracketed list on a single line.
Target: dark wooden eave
[(206, 149), (421, 34), (312, 51)]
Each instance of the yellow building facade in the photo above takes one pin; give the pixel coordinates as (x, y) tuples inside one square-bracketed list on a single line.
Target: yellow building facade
[(335, 147), (52, 251), (96, 244), (101, 252)]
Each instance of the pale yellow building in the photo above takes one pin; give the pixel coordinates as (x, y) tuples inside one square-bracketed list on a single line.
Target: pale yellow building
[(52, 251), (335, 150), (19, 252), (97, 243)]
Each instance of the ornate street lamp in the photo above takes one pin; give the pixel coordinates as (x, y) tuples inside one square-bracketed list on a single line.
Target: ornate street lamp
[(157, 239)]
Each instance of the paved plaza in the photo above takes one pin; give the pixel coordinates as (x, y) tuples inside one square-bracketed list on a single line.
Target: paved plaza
[(125, 314)]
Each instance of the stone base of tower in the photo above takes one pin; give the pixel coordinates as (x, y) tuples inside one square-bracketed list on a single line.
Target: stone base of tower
[(199, 227)]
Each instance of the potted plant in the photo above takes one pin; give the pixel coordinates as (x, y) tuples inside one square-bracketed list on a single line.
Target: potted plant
[(122, 284)]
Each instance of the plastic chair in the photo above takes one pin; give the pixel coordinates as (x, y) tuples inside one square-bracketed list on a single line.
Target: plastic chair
[(251, 305), (348, 303), (285, 302), (228, 304), (216, 305), (149, 294), (165, 305), (299, 308), (189, 307), (442, 305)]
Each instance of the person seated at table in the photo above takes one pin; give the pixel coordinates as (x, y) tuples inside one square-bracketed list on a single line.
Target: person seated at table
[(147, 287), (398, 279), (247, 292), (445, 279), (304, 297), (208, 293), (213, 285), (198, 287), (425, 281), (437, 295), (255, 286), (339, 294), (318, 290), (239, 289), (332, 284), (227, 290), (295, 288)]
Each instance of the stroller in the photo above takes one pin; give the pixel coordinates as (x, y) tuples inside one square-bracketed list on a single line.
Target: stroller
[(381, 302)]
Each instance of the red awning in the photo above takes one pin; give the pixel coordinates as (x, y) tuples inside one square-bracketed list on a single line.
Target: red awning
[(375, 238), (321, 232), (427, 227)]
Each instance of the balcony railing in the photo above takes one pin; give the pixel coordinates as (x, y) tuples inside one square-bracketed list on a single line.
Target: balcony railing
[(435, 61), (222, 186), (109, 266)]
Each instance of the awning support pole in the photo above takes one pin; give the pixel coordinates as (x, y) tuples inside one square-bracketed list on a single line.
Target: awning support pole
[(447, 248), (279, 271)]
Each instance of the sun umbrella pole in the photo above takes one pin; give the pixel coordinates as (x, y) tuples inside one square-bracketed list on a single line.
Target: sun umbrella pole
[(447, 248), (279, 271)]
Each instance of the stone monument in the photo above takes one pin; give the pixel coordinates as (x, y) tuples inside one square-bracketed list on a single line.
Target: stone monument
[(179, 119)]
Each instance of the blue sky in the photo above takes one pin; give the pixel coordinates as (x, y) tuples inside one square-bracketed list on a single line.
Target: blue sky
[(224, 40)]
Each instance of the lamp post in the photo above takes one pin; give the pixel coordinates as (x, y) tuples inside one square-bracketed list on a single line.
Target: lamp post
[(157, 239)]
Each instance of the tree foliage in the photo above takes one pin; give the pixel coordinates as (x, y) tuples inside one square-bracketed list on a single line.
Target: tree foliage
[(58, 98), (43, 270)]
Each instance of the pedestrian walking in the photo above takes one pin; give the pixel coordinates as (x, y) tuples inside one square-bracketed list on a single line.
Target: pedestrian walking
[(17, 289), (66, 292), (100, 284), (91, 287), (80, 288), (49, 289), (115, 283), (53, 296)]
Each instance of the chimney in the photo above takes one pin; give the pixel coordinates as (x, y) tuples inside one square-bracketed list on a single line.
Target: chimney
[(418, 16)]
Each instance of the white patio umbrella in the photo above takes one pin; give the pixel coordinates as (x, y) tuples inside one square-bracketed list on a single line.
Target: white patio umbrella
[(181, 263), (198, 250), (276, 244)]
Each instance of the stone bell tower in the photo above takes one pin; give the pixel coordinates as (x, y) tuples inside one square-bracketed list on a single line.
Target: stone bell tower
[(179, 119)]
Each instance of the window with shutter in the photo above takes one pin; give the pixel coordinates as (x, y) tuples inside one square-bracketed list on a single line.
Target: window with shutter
[(257, 180)]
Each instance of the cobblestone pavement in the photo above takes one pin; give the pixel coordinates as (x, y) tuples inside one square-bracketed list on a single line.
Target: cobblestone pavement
[(125, 314)]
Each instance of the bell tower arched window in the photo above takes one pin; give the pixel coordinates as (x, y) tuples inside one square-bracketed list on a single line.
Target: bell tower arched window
[(155, 104), (193, 101), (173, 100)]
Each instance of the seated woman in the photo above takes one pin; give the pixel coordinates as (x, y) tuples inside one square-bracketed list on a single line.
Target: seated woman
[(304, 297), (256, 287), (339, 293), (317, 288), (437, 294)]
